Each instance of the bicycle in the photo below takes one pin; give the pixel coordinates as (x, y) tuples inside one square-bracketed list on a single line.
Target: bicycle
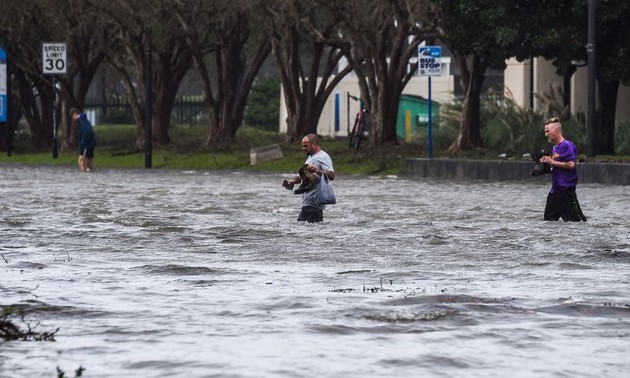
[(359, 130)]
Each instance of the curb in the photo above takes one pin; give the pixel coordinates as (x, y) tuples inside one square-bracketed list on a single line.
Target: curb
[(506, 170)]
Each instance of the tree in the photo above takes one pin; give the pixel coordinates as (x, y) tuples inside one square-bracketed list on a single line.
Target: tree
[(379, 38), (71, 21), (225, 31), (483, 34), (86, 36), (21, 34), (139, 25), (612, 68), (305, 63)]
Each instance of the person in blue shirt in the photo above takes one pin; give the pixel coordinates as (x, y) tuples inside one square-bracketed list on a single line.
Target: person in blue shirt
[(86, 140)]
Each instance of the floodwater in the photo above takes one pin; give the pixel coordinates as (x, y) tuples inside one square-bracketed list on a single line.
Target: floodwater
[(152, 273)]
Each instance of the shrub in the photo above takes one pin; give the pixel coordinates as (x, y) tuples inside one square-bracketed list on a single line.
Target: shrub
[(263, 104), (509, 128), (622, 138)]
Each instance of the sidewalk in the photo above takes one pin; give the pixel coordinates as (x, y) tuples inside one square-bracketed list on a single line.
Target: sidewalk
[(506, 170)]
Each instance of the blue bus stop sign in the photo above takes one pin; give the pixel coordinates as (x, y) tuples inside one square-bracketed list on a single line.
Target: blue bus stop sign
[(3, 86)]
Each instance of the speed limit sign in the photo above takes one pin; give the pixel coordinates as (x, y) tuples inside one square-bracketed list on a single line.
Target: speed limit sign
[(54, 58)]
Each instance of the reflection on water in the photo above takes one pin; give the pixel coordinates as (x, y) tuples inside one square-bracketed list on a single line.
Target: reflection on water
[(196, 274)]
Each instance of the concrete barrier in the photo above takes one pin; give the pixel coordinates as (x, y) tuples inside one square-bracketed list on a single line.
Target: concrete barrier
[(509, 170), (271, 152)]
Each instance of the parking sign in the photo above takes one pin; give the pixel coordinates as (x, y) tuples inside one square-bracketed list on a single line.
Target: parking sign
[(54, 58), (430, 60)]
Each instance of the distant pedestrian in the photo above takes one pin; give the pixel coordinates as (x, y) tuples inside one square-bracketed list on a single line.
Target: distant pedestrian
[(86, 140), (562, 201)]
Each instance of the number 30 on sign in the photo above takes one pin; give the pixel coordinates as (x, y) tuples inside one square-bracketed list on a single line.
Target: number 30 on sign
[(54, 58)]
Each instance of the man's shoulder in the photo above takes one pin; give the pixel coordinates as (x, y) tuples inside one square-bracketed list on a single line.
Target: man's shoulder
[(321, 154), (567, 148)]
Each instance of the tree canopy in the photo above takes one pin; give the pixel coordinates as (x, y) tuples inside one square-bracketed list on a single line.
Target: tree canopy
[(226, 42)]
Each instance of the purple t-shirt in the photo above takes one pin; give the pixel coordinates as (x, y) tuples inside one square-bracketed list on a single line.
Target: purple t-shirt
[(563, 179)]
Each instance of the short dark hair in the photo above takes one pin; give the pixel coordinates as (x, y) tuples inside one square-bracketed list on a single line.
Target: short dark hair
[(313, 138)]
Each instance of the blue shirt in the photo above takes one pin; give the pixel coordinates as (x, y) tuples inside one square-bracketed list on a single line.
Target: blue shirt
[(87, 138)]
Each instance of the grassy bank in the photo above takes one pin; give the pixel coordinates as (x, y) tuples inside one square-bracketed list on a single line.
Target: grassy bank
[(116, 149)]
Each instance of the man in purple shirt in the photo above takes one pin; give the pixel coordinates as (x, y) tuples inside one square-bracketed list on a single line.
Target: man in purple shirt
[(562, 201)]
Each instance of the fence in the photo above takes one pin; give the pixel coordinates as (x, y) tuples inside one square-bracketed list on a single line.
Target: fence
[(189, 110)]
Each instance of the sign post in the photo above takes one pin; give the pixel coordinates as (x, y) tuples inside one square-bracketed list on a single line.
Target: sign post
[(54, 63), (4, 80), (430, 64), (4, 99)]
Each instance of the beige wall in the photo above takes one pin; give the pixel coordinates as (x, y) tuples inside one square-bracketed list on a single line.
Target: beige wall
[(545, 78), (623, 104), (442, 88), (516, 80), (579, 92)]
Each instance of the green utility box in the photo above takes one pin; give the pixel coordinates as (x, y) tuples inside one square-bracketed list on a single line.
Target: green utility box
[(413, 117)]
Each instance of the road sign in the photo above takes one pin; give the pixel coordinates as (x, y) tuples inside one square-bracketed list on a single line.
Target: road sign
[(430, 60), (54, 58), (3, 86)]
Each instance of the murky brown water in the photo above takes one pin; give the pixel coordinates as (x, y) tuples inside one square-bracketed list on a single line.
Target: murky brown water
[(197, 274)]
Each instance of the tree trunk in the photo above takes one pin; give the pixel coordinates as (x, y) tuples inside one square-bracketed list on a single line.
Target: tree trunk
[(37, 111), (220, 127), (163, 103), (605, 124), (469, 133)]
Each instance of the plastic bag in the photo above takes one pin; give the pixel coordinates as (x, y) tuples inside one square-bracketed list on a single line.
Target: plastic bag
[(325, 192)]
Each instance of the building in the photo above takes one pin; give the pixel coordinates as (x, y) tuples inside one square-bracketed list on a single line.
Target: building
[(341, 108), (537, 75), (520, 80)]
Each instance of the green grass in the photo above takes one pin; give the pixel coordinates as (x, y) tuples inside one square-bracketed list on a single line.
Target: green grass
[(116, 149)]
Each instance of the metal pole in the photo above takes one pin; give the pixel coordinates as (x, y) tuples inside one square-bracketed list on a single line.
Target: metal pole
[(9, 120), (148, 96), (430, 137), (591, 103), (348, 110), (7, 114), (55, 151), (531, 83)]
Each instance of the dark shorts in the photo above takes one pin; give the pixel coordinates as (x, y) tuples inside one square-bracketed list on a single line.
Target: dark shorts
[(311, 214), (87, 152), (563, 205)]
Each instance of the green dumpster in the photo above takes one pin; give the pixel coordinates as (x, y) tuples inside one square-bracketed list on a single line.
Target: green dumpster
[(413, 117)]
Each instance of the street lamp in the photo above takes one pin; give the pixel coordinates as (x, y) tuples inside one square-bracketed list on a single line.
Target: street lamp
[(590, 53)]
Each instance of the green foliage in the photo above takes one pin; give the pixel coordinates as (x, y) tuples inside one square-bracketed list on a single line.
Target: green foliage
[(498, 30), (263, 104), (622, 138), (116, 138), (118, 117), (511, 129), (508, 128)]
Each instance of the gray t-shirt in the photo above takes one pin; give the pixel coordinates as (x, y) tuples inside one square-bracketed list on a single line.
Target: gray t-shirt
[(322, 161)]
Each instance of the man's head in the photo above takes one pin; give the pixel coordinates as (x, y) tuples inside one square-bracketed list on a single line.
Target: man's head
[(75, 113), (310, 144), (553, 130)]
